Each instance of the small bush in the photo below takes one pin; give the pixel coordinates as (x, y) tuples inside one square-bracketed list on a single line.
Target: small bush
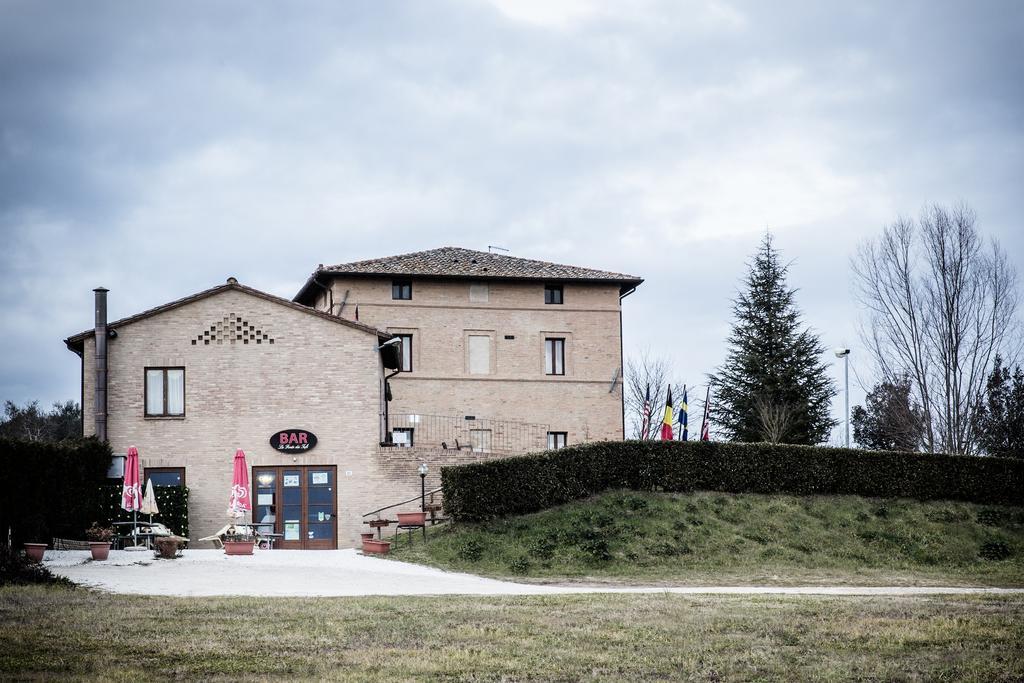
[(994, 550), (471, 550), (18, 570), (520, 565), (990, 517), (596, 550), (543, 548)]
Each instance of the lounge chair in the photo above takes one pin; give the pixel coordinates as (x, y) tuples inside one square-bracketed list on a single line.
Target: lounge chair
[(218, 538)]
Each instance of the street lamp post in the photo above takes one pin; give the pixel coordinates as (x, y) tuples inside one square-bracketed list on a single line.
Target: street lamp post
[(423, 469), (845, 355)]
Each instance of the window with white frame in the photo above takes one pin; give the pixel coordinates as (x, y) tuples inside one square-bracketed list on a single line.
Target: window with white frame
[(165, 392), (554, 356), (557, 440)]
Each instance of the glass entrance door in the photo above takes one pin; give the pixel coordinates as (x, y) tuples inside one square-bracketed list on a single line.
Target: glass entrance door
[(301, 503)]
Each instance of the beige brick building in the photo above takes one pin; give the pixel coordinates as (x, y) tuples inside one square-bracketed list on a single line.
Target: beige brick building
[(492, 336), (189, 382)]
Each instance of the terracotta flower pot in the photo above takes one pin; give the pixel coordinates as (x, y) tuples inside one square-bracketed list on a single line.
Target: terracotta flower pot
[(412, 518), (238, 547), (100, 549), (378, 547), (35, 551), (367, 535)]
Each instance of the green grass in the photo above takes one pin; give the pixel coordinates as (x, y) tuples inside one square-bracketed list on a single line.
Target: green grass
[(704, 538), (60, 632)]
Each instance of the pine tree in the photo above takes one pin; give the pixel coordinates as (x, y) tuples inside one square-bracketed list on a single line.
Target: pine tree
[(890, 420), (773, 385), (999, 419)]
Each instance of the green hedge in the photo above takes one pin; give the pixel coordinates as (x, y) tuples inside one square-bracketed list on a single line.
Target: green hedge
[(50, 489), (171, 500), (533, 482)]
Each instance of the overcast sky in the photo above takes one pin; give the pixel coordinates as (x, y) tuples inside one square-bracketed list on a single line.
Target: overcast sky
[(157, 149)]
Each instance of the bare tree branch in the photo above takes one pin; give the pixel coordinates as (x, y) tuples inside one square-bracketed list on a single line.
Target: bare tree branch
[(940, 303)]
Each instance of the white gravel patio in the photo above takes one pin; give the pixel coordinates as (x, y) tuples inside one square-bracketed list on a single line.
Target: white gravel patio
[(295, 573)]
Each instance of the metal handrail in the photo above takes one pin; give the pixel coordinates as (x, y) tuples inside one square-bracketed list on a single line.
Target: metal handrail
[(404, 502)]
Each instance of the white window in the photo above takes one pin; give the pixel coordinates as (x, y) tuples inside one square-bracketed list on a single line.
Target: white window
[(554, 356), (480, 440), (557, 440), (479, 354), (479, 292), (165, 391)]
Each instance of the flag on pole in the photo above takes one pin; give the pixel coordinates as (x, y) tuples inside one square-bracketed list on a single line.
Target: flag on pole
[(705, 431), (683, 417), (645, 424), (666, 423)]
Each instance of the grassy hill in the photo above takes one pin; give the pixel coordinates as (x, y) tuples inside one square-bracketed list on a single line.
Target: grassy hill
[(703, 538)]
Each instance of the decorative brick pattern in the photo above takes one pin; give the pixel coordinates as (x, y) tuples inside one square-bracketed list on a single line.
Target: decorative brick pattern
[(232, 329)]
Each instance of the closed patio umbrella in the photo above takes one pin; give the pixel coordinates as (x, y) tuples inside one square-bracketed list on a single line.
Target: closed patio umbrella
[(149, 506), (240, 501), (131, 491)]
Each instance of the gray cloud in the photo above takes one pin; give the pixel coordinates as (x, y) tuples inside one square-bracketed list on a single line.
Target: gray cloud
[(157, 149)]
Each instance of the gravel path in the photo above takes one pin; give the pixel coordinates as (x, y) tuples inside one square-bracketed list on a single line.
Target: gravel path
[(349, 573)]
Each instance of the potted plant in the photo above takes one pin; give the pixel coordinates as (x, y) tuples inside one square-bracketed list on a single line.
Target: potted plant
[(239, 541), (169, 547), (367, 535), (412, 518), (35, 551), (99, 540), (371, 545)]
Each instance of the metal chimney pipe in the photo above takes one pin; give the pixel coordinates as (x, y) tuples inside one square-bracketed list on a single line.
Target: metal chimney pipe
[(101, 363)]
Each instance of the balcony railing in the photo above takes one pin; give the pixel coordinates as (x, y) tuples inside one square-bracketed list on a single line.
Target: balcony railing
[(467, 432)]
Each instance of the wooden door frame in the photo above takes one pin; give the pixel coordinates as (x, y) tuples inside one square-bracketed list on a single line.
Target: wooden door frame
[(303, 543)]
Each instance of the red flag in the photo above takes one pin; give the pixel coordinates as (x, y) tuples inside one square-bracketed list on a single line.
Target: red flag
[(705, 430)]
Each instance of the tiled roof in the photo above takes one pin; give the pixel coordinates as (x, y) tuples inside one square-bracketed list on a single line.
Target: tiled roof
[(456, 262), (75, 341)]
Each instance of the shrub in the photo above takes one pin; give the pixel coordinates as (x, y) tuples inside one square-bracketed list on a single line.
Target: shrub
[(528, 483), (471, 550), (995, 550), (52, 489), (520, 565), (172, 501), (18, 570), (99, 534), (990, 517)]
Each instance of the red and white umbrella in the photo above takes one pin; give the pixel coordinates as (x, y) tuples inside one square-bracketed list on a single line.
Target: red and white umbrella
[(240, 501), (131, 491)]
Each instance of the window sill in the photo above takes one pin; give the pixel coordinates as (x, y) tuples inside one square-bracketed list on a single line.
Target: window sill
[(163, 417)]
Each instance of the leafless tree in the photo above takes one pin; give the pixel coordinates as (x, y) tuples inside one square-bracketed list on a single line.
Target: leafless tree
[(775, 419), (645, 371), (940, 302)]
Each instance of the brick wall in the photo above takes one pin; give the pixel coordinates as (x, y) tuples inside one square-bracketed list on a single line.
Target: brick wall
[(440, 317)]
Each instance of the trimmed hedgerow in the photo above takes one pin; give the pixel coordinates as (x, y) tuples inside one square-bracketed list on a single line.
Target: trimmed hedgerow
[(171, 500), (528, 483), (50, 489)]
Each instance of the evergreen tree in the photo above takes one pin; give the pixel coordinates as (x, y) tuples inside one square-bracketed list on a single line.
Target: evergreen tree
[(1000, 416), (773, 385), (890, 420)]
